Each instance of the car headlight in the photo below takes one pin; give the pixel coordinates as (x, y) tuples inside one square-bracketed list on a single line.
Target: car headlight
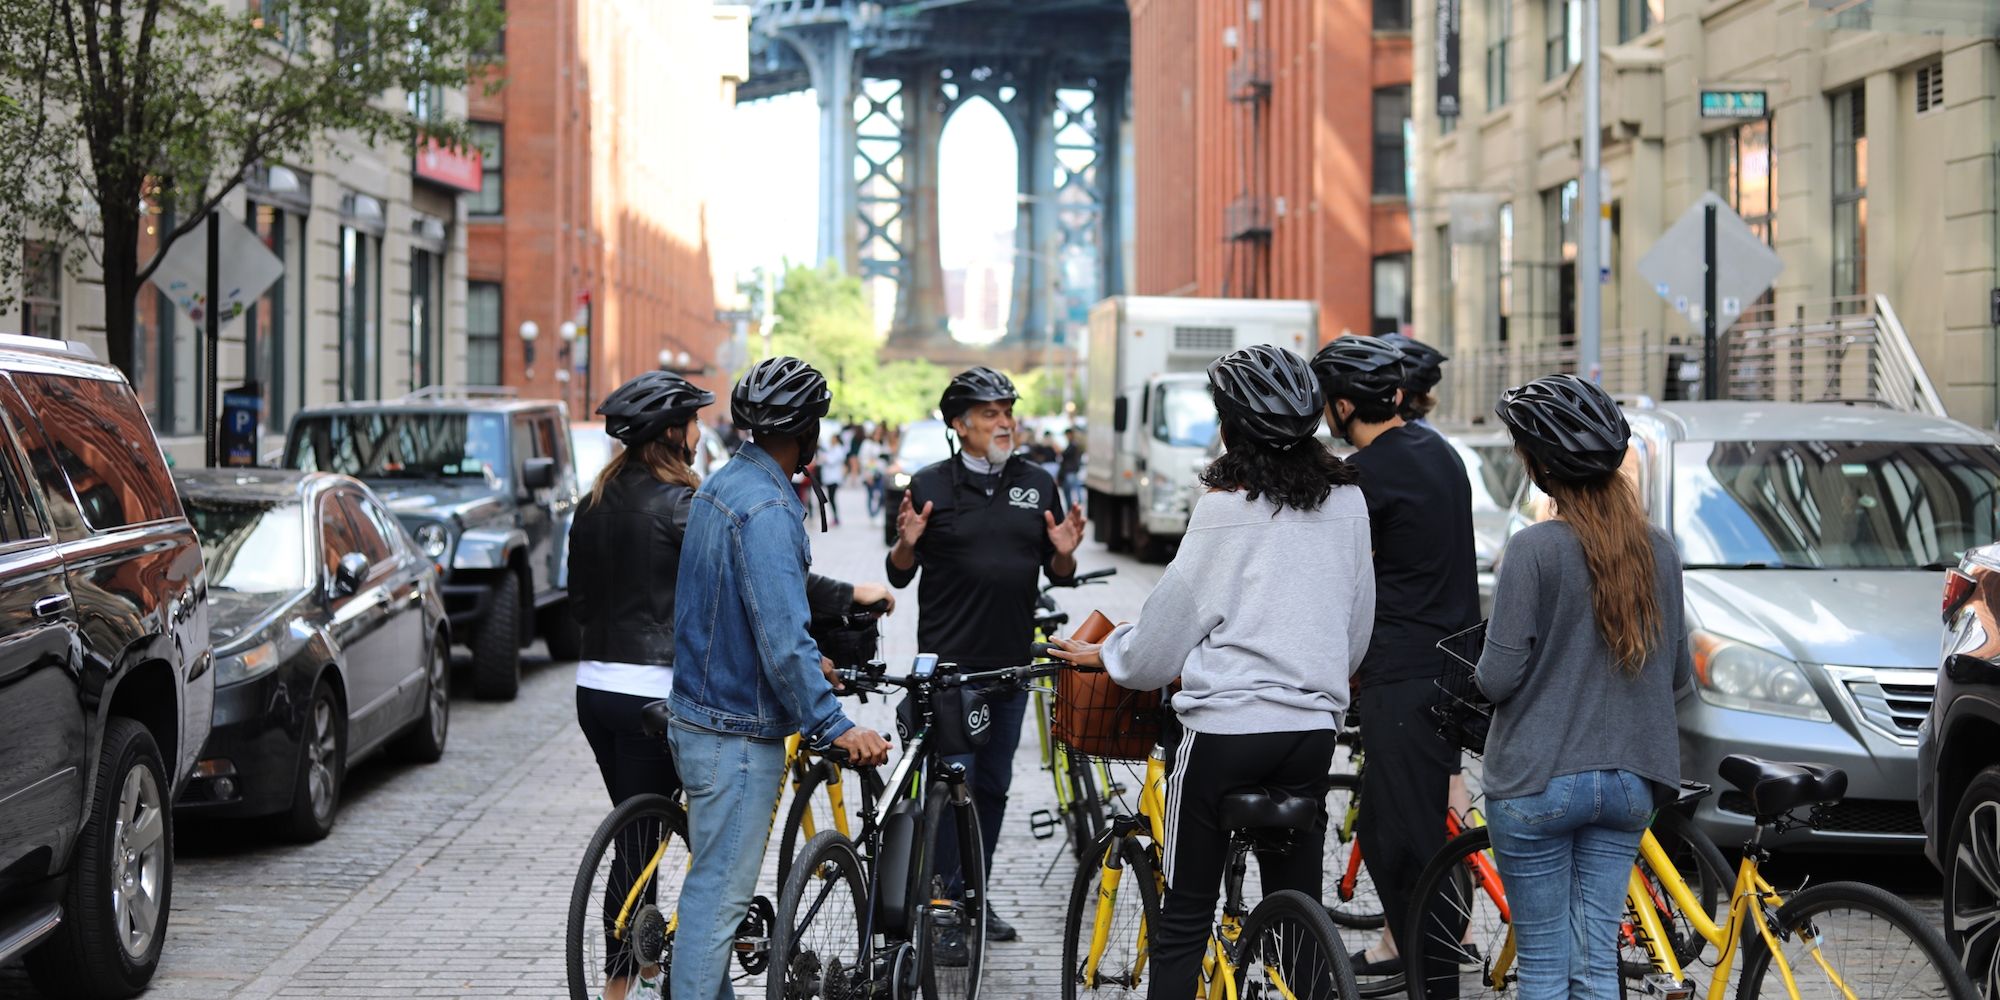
[(258, 659), (432, 539), (1730, 674), (902, 480)]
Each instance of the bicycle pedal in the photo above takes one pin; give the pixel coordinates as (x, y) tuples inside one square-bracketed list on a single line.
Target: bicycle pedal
[(1042, 824), (1659, 984)]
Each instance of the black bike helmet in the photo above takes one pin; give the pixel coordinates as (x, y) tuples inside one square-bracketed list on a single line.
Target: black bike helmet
[(1425, 363), (640, 410), (1360, 370), (974, 385), (1270, 392), (1571, 428), (780, 396)]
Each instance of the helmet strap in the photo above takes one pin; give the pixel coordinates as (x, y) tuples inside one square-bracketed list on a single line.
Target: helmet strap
[(819, 495)]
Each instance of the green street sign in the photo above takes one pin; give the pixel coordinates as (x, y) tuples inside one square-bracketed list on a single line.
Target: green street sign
[(1733, 104)]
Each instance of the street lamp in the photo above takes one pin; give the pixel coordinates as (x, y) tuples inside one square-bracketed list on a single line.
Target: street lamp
[(666, 359), (529, 331), (567, 334)]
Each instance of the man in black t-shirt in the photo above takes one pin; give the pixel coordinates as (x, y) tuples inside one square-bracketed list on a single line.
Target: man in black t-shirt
[(1426, 588), (984, 525)]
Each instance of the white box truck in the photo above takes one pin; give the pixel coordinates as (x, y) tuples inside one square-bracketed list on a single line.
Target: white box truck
[(1151, 418)]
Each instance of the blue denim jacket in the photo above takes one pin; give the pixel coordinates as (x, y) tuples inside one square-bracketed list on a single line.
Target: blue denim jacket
[(743, 663)]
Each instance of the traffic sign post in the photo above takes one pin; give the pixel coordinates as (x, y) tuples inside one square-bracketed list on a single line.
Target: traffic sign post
[(1707, 264), (1711, 366)]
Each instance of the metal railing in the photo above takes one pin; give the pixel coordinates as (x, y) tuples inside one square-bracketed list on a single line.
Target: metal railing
[(1846, 350)]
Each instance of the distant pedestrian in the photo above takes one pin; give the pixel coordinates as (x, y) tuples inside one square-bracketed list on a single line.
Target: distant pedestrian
[(830, 469), (1070, 468)]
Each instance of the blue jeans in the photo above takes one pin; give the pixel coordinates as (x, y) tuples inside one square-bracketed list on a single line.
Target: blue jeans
[(732, 789), (1565, 855), (990, 770)]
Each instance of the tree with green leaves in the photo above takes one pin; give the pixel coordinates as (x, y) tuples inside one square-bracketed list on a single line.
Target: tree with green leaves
[(823, 317), (117, 109)]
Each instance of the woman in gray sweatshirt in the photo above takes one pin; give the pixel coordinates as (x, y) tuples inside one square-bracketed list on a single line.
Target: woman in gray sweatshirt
[(1262, 615), (1584, 652)]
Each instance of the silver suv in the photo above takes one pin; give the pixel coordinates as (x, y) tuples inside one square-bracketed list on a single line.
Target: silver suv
[(1815, 538)]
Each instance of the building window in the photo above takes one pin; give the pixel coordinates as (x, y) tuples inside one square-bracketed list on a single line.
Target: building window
[(496, 47), (1499, 35), (41, 290), (1562, 36), (360, 314), (1559, 247), (1392, 116), (1504, 293), (1930, 87), (1392, 294), (482, 333), (426, 317), (1850, 194), (273, 326), (1636, 17), (1740, 169), (1392, 15), (427, 103), (487, 200)]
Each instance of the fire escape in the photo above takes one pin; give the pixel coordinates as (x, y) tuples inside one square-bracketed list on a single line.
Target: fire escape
[(1247, 219)]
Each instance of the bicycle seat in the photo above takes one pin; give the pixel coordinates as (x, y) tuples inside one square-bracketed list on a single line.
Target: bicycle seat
[(1268, 811), (653, 717), (1777, 787)]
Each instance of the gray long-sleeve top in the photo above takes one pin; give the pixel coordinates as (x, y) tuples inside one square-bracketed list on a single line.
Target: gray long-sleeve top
[(1263, 615), (1562, 705)]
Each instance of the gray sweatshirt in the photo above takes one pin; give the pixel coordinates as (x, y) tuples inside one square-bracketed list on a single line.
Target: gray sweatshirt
[(1263, 615), (1562, 705)]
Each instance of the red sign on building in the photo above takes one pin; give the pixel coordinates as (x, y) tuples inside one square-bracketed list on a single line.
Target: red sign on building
[(455, 168)]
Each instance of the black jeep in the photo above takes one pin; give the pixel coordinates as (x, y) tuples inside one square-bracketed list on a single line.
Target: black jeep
[(487, 486)]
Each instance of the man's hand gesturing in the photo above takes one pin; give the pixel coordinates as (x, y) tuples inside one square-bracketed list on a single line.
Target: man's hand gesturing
[(910, 523)]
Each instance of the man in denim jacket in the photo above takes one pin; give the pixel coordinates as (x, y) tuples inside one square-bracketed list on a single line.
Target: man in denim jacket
[(746, 673)]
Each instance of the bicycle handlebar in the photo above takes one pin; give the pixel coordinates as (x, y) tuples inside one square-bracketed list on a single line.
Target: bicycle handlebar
[(875, 681)]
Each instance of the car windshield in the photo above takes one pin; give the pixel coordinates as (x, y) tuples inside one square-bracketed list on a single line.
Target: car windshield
[(251, 548), (403, 444), (922, 445), (1185, 417), (1833, 504)]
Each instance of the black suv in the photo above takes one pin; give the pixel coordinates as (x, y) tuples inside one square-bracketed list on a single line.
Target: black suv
[(105, 687), (1958, 763), (487, 486)]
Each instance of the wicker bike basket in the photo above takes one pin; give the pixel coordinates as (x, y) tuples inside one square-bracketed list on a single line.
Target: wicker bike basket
[(1095, 718), (1461, 711)]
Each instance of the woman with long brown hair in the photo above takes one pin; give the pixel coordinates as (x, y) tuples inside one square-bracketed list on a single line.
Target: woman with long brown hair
[(1584, 653)]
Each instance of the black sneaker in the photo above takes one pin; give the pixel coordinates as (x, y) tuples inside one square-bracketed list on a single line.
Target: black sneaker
[(1385, 967), (948, 948), (998, 929)]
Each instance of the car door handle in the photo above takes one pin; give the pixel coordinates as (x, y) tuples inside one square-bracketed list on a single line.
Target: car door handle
[(52, 605)]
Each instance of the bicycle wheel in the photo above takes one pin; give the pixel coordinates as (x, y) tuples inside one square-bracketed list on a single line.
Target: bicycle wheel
[(1086, 806), (1875, 944), (633, 865), (949, 925), (1701, 865), (1350, 892), (817, 936), (1132, 910), (1292, 949), (1457, 924), (861, 788)]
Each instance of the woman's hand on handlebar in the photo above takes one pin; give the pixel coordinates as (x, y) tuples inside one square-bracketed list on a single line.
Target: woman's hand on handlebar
[(864, 747), (1081, 654)]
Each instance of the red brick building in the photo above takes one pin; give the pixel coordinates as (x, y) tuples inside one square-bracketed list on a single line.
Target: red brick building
[(1270, 154), (593, 211)]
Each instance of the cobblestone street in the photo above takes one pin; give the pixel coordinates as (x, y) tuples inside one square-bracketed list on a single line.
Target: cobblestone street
[(453, 880)]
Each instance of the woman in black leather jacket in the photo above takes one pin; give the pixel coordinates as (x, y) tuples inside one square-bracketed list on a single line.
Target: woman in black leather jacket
[(624, 558)]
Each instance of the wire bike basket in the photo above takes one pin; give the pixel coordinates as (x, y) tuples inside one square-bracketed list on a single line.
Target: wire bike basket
[(1096, 719), (1461, 711)]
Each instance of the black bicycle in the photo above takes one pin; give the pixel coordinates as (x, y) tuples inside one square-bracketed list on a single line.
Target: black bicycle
[(900, 909)]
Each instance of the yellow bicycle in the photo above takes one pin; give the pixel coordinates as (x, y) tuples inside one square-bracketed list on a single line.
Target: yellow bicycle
[(1286, 948), (1083, 787), (1832, 941)]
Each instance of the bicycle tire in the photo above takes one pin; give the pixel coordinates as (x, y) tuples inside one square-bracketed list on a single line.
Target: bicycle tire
[(1701, 865), (640, 809), (830, 863), (1796, 920), (1081, 916), (1447, 908), (1361, 906), (803, 798), (1290, 937), (941, 981), (1086, 805)]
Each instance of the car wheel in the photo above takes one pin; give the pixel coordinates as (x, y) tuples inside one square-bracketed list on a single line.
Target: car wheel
[(424, 743), (322, 769), (562, 633), (121, 878), (496, 645), (1972, 882)]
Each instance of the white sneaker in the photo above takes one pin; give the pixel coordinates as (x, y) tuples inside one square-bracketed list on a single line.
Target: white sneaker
[(642, 989)]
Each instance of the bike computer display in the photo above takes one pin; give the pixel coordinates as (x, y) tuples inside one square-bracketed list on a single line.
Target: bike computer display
[(924, 667)]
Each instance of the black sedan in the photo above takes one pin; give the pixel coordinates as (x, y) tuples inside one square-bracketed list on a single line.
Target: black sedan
[(330, 642)]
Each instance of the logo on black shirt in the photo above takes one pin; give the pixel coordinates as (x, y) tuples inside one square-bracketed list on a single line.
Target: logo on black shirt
[(1025, 497)]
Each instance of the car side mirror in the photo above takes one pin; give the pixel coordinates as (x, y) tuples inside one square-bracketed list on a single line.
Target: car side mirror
[(539, 473), (348, 577), (1120, 411)]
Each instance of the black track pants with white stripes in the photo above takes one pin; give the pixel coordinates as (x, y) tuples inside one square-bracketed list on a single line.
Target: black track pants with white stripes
[(1202, 768)]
